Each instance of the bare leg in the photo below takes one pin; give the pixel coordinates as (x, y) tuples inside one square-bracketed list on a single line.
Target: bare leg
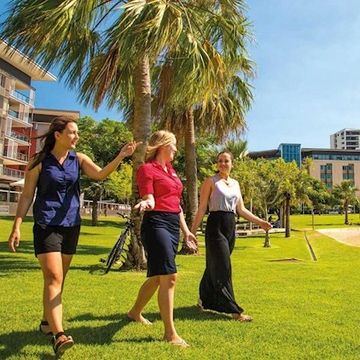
[(66, 261), (52, 268), (146, 292), (166, 306)]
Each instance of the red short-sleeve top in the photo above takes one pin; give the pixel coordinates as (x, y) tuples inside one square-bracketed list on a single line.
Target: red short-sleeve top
[(166, 187)]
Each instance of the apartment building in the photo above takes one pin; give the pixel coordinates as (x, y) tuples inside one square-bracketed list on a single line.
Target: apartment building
[(346, 139), (331, 166), (17, 98)]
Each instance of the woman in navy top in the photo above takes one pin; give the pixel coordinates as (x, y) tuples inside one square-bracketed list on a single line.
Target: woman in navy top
[(160, 189), (55, 172)]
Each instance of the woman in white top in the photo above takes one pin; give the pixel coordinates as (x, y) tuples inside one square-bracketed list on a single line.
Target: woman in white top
[(221, 194)]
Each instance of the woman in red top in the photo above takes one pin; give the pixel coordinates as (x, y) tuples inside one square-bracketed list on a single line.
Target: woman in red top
[(160, 189)]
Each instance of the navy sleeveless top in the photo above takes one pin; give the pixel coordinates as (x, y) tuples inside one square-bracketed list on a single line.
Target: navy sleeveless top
[(57, 201)]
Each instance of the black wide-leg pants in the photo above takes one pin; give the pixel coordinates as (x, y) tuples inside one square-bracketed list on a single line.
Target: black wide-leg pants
[(216, 290)]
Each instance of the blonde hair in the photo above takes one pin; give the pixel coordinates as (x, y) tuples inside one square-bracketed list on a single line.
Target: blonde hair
[(158, 139)]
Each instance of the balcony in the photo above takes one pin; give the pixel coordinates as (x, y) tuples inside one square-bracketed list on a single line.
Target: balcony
[(11, 174), (15, 158), (26, 99), (20, 137), (17, 120)]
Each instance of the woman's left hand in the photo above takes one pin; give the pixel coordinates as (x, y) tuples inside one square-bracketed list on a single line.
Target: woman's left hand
[(190, 240), (129, 148)]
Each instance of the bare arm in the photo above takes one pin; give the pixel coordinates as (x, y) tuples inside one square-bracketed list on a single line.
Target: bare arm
[(205, 193), (95, 172), (245, 213), (190, 238), (26, 198)]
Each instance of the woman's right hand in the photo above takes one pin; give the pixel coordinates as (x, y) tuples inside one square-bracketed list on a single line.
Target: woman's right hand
[(143, 205), (14, 240)]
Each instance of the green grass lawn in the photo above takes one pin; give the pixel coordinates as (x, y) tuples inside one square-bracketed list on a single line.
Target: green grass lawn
[(302, 310)]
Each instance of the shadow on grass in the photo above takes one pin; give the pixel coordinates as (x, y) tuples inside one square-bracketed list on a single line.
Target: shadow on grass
[(10, 264), (14, 342), (181, 313), (113, 223)]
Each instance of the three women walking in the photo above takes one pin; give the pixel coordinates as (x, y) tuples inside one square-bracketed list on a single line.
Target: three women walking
[(54, 175)]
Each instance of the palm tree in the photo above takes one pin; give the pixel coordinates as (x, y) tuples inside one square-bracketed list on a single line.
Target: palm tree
[(346, 192), (107, 51), (237, 147), (205, 103)]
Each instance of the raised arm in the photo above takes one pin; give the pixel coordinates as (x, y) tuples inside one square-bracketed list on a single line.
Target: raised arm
[(95, 172), (205, 193), (26, 198), (245, 213)]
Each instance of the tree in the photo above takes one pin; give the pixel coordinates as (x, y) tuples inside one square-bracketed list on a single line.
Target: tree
[(107, 52), (94, 142), (346, 193), (188, 104), (237, 147)]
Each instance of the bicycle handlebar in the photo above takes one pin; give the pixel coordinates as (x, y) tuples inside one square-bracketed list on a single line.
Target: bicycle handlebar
[(123, 216)]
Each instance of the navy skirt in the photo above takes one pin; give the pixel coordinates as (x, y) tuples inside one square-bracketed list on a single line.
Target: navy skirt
[(160, 234)]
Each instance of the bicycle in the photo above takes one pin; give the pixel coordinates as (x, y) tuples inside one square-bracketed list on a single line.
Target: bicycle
[(117, 250)]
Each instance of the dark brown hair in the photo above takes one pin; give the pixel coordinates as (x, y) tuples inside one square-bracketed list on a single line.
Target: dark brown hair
[(58, 124), (225, 152)]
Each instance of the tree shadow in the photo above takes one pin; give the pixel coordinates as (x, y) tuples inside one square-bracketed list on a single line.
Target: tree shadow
[(195, 313), (114, 223), (15, 341), (11, 264)]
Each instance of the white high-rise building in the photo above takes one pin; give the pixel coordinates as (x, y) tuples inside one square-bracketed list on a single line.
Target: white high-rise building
[(17, 97), (346, 139)]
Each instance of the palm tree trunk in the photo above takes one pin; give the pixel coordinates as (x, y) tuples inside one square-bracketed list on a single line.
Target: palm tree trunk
[(346, 209), (94, 212), (95, 205), (141, 131), (267, 236), (251, 210), (287, 216), (191, 175)]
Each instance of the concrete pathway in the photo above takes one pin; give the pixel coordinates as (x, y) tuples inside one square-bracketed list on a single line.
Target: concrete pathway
[(344, 235)]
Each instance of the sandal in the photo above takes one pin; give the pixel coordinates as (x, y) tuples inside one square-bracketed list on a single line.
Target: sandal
[(61, 342), (45, 328), (178, 342)]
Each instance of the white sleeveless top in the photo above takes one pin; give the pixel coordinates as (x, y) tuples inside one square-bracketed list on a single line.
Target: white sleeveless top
[(224, 196)]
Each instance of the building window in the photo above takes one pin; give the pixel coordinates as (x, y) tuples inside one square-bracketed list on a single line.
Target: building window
[(336, 157), (326, 175), (2, 80), (291, 152), (348, 173)]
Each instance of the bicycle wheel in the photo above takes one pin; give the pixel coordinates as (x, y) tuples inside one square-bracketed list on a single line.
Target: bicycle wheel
[(116, 251)]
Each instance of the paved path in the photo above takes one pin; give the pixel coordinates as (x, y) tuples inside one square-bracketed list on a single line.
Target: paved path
[(346, 236)]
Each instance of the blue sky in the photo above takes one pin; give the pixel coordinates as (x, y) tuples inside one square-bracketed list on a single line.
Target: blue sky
[(307, 57)]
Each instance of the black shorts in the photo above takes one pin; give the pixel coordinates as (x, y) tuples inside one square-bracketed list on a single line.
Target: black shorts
[(55, 239)]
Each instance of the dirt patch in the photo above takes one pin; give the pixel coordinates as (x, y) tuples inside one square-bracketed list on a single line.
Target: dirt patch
[(344, 235)]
